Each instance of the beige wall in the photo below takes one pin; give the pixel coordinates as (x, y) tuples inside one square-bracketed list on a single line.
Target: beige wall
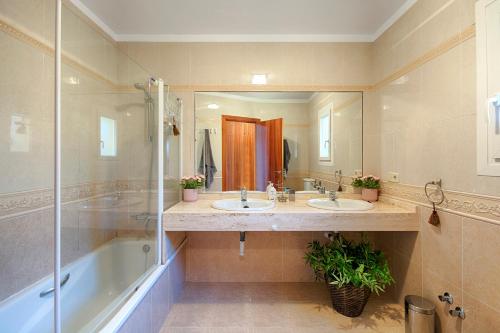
[(425, 120)]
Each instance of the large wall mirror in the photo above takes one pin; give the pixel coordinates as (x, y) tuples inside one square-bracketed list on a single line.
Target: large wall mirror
[(246, 139)]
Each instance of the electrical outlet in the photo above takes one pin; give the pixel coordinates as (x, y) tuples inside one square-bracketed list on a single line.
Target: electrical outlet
[(393, 177)]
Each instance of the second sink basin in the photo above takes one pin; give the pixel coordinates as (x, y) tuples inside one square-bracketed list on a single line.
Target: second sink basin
[(238, 206), (340, 204)]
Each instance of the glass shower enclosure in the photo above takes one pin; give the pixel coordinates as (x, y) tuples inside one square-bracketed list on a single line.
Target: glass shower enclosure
[(118, 169)]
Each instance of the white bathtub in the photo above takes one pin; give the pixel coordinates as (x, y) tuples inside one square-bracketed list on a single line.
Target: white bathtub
[(99, 283)]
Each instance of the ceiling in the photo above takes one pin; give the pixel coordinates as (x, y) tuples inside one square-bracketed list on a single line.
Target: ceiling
[(245, 20)]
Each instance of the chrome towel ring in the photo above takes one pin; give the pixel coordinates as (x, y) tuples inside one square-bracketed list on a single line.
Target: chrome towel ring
[(436, 197)]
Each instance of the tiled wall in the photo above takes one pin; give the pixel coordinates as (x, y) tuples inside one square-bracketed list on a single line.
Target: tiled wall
[(423, 108), (269, 256)]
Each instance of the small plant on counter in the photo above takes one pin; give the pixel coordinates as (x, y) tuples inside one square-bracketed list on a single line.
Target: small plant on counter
[(370, 182), (190, 186), (370, 187), (357, 181), (351, 270), (192, 182)]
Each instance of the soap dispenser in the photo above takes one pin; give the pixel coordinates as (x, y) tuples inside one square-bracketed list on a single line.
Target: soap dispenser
[(271, 192)]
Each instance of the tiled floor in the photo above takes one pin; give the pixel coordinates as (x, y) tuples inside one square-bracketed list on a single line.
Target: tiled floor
[(274, 308)]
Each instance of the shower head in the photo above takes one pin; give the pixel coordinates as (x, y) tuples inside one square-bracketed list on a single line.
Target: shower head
[(141, 86)]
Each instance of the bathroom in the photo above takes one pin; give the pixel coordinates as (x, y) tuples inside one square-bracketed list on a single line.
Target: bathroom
[(98, 235)]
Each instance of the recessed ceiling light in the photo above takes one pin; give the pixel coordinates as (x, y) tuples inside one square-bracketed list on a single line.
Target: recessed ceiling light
[(259, 79), (213, 106)]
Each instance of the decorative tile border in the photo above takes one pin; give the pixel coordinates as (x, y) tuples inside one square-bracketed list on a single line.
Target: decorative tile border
[(482, 207), (24, 202)]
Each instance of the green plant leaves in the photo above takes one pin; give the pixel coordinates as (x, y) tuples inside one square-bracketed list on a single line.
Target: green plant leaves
[(342, 262)]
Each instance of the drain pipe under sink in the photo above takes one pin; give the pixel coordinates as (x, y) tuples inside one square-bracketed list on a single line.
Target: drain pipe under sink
[(242, 243)]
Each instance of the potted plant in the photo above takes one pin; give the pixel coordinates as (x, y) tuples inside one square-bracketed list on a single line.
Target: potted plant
[(357, 184), (370, 186), (352, 272), (190, 186)]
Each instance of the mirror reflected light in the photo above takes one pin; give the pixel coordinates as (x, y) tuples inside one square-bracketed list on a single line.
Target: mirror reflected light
[(259, 79), (213, 106)]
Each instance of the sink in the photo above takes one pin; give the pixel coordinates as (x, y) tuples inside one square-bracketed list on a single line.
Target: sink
[(340, 204), (237, 206)]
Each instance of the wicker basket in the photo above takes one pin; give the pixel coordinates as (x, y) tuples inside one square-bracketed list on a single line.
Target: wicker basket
[(349, 300)]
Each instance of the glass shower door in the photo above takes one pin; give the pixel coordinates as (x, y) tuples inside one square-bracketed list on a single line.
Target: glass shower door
[(109, 176)]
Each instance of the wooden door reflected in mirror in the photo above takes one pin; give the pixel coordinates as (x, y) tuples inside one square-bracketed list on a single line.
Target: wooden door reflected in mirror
[(252, 152)]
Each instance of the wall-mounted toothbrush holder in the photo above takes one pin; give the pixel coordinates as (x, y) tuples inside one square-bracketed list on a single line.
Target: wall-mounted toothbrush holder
[(435, 195)]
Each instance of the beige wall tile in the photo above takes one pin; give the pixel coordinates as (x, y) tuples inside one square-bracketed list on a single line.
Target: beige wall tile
[(480, 318), (295, 268), (269, 257), (481, 250), (442, 247), (26, 251), (433, 286), (408, 275)]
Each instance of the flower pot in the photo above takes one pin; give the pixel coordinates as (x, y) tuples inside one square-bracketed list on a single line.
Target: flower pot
[(348, 300), (190, 194), (369, 194)]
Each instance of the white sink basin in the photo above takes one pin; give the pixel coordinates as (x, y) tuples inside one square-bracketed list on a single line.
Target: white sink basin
[(340, 204), (237, 206)]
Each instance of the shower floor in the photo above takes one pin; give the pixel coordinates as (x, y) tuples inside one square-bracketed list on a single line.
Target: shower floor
[(273, 308)]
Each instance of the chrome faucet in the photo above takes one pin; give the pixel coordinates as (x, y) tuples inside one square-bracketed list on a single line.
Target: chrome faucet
[(243, 194), (332, 195)]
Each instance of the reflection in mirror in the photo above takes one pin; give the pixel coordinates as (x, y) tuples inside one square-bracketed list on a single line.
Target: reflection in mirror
[(292, 139)]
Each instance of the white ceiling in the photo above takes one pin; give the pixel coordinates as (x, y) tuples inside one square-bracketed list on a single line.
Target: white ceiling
[(245, 20)]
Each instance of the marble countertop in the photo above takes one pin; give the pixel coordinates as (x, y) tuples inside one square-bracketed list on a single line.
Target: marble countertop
[(289, 216)]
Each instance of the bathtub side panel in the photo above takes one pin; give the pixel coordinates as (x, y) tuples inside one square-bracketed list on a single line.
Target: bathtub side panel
[(153, 310)]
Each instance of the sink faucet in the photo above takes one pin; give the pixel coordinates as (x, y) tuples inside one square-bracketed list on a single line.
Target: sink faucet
[(243, 193), (332, 195)]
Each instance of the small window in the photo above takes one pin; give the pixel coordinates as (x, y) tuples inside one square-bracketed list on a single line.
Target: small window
[(325, 134), (108, 137)]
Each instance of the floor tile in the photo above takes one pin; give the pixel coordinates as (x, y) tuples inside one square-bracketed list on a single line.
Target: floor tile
[(274, 308)]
